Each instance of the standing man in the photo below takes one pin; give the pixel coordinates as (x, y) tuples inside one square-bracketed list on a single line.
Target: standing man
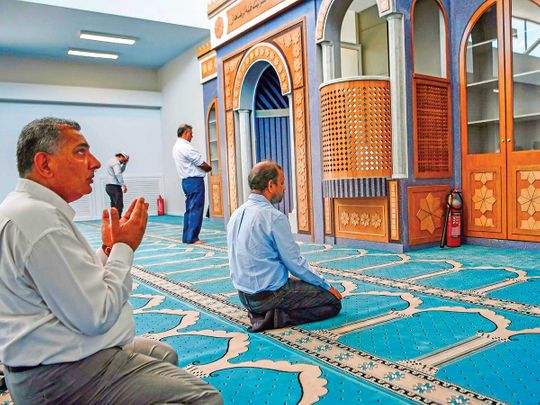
[(115, 186), (191, 168), (66, 326), (262, 253)]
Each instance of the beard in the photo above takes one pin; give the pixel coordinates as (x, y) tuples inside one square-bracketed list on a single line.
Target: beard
[(276, 198)]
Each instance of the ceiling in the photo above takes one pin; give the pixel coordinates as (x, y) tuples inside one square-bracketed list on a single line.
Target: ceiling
[(43, 31)]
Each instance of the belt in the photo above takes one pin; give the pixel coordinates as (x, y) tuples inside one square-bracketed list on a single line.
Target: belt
[(259, 296), (20, 369)]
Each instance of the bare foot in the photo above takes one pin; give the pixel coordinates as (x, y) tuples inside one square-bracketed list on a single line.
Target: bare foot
[(198, 242)]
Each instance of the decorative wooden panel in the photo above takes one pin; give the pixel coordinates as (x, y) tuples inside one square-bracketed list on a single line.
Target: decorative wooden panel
[(208, 66), (302, 160), (232, 18), (328, 225), (231, 161), (524, 204), (286, 48), (204, 49), (361, 218), (356, 129), (393, 199), (230, 67), (482, 203), (246, 10), (214, 159), (272, 55), (216, 196), (432, 128), (291, 45), (427, 207)]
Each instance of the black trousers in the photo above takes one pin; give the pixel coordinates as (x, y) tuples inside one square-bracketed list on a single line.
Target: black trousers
[(117, 197)]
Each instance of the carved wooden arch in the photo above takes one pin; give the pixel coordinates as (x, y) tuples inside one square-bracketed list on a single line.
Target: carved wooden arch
[(262, 52), (290, 41), (326, 6)]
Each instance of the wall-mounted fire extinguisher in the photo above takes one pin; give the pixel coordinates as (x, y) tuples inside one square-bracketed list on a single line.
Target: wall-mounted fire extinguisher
[(453, 223), (160, 206)]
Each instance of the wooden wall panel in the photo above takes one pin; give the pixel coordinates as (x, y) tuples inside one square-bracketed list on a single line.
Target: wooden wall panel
[(483, 203), (432, 127), (361, 218), (524, 204), (427, 207), (393, 200), (356, 129)]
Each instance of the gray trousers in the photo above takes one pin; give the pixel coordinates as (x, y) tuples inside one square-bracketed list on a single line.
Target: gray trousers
[(140, 373), (295, 303)]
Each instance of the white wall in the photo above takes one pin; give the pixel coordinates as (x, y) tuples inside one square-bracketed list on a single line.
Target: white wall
[(107, 129), (182, 97), (146, 134)]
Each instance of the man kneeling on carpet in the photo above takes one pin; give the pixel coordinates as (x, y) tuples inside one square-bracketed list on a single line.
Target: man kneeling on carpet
[(66, 326), (262, 253)]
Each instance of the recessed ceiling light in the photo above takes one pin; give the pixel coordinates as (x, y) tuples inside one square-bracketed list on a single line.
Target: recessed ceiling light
[(92, 54), (115, 39)]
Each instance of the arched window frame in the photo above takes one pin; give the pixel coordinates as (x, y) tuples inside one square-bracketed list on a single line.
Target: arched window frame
[(432, 138)]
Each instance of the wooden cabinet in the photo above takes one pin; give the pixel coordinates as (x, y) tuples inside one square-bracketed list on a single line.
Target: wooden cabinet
[(212, 134), (500, 94)]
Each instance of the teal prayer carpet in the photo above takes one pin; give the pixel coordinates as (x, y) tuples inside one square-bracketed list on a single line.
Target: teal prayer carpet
[(436, 326)]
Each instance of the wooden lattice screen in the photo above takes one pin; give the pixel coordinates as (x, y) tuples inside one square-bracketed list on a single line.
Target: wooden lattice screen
[(356, 129), (432, 130)]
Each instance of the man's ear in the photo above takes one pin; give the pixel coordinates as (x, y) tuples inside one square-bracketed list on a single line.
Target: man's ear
[(42, 161)]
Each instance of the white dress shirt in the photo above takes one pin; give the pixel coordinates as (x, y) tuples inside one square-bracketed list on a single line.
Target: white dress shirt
[(60, 301), (262, 249), (187, 159)]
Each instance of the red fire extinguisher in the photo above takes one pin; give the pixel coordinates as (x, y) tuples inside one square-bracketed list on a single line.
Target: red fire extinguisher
[(453, 223), (160, 206)]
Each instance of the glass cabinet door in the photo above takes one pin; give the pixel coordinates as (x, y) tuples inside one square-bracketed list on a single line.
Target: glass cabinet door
[(501, 128), (526, 75), (482, 76)]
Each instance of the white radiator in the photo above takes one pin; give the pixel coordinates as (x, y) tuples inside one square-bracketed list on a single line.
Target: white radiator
[(91, 206)]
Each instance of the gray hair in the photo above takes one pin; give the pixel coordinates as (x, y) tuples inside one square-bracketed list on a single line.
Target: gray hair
[(41, 135), (262, 173)]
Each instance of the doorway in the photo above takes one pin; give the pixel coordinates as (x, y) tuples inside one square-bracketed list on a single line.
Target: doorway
[(272, 129)]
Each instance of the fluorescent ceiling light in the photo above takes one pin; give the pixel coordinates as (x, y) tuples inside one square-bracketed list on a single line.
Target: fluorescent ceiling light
[(92, 54), (115, 39)]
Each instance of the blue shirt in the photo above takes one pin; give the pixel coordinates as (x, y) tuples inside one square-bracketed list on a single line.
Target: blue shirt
[(262, 250), (114, 172)]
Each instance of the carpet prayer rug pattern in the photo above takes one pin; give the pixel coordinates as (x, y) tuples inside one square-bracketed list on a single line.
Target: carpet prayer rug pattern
[(436, 326)]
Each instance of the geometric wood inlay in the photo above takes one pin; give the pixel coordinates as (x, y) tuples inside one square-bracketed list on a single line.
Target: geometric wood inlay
[(483, 200), (427, 205), (529, 200), (362, 218), (430, 213)]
